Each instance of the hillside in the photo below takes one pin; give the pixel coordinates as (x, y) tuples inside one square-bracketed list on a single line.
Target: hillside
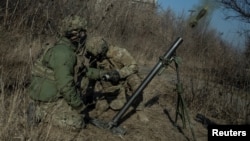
[(161, 106), (215, 76), (160, 100)]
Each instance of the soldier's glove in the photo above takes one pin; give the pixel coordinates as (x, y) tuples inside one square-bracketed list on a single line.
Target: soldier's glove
[(112, 76)]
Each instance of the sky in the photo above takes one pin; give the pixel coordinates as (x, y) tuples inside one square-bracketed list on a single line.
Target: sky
[(228, 28)]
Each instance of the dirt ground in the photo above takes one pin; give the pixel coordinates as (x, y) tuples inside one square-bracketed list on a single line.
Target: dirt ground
[(159, 98)]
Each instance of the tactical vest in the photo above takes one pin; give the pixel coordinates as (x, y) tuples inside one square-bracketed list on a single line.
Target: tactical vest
[(41, 70)]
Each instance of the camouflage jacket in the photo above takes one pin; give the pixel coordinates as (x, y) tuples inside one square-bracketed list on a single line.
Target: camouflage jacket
[(121, 60), (53, 75)]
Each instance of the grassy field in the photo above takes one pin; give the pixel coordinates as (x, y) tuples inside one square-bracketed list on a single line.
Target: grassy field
[(214, 75)]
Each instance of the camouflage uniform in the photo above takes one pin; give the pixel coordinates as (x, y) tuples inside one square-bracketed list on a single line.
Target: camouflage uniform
[(121, 60), (53, 88), (53, 79)]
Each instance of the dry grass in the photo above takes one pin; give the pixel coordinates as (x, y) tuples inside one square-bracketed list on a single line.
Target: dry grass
[(215, 79)]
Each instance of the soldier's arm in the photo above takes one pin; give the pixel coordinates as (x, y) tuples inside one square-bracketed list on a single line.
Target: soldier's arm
[(123, 57)]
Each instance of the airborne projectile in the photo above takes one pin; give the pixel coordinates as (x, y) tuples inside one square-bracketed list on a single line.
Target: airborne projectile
[(201, 14)]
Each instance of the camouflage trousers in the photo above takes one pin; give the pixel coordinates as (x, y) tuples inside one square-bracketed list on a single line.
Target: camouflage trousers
[(57, 113), (116, 96)]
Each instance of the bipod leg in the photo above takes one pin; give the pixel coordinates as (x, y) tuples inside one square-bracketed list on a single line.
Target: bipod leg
[(177, 112), (181, 109), (180, 103)]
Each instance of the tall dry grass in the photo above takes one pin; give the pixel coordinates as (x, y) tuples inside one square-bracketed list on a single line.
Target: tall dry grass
[(215, 79)]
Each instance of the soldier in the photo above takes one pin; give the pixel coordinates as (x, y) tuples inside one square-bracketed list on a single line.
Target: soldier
[(105, 56), (53, 88)]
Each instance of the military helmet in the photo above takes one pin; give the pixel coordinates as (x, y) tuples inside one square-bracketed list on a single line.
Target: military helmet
[(73, 22), (96, 46)]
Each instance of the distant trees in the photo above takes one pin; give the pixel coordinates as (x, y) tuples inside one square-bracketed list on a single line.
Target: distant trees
[(240, 7), (247, 51)]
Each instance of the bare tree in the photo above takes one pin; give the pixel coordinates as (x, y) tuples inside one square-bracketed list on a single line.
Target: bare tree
[(247, 51), (241, 8)]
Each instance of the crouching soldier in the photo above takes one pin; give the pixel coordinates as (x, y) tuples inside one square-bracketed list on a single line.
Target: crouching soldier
[(53, 88), (114, 94)]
